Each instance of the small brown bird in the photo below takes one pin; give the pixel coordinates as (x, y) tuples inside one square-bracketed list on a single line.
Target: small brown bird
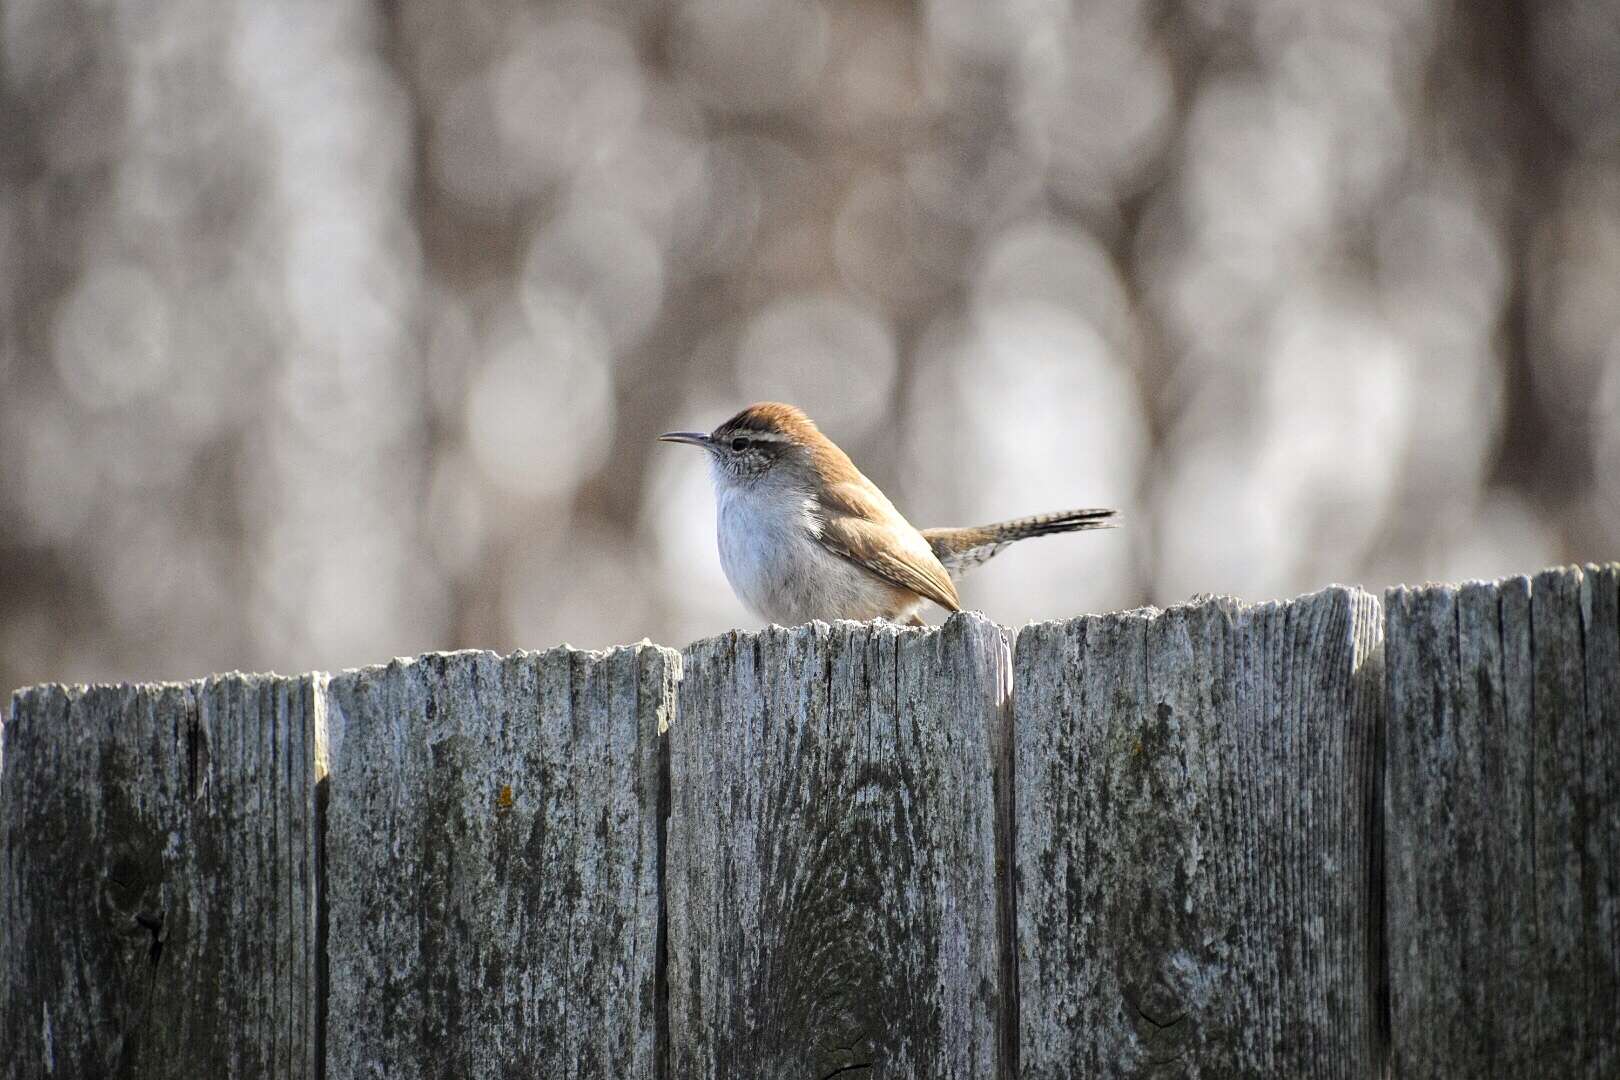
[(803, 535)]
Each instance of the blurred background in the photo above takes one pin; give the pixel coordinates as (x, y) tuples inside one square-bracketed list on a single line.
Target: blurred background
[(337, 330)]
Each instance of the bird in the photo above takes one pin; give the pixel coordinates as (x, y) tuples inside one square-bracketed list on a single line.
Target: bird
[(804, 535)]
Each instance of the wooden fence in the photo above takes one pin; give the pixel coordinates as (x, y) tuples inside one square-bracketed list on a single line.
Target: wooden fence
[(1326, 837)]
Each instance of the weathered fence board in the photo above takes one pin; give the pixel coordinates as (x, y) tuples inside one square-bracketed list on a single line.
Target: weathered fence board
[(1503, 818), (1290, 839), (832, 861), (492, 860), (158, 886), (1194, 795)]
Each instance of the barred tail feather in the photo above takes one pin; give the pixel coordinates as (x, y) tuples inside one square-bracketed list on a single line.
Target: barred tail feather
[(961, 549), (1059, 522)]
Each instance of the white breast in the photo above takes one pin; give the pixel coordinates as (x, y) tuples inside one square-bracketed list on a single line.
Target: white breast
[(777, 567)]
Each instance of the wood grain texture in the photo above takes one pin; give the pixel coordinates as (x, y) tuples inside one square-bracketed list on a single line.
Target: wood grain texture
[(1180, 843), (1194, 807), (1503, 816), (158, 885), (832, 861), (492, 856)]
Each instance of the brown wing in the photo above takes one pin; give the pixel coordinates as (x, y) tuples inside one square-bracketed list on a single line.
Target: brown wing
[(861, 525)]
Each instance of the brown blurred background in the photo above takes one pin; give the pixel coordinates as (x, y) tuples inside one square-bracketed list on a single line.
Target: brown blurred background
[(338, 330)]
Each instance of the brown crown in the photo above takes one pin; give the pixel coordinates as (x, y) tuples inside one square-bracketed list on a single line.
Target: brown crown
[(770, 418)]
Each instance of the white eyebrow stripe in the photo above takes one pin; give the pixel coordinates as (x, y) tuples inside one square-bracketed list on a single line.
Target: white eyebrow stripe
[(762, 436)]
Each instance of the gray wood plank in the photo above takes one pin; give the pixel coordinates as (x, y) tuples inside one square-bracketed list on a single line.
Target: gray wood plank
[(158, 886), (1502, 804), (832, 861), (1194, 821), (1600, 810), (492, 852)]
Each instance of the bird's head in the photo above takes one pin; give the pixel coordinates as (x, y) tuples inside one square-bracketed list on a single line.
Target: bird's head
[(765, 441)]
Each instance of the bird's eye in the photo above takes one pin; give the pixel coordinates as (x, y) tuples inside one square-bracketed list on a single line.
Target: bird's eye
[(740, 443)]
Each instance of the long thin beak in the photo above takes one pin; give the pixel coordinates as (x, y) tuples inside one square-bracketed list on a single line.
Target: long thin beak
[(696, 438)]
